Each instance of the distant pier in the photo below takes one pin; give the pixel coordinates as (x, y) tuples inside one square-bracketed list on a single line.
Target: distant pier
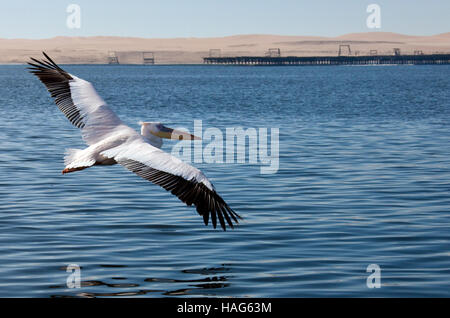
[(419, 59), (131, 57)]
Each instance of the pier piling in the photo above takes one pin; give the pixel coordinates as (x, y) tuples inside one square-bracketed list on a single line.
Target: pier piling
[(417, 59)]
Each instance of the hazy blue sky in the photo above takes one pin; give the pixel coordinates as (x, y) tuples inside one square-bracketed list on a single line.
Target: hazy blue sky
[(205, 18)]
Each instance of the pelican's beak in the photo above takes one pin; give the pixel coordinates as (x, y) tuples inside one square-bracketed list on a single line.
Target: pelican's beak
[(169, 133)]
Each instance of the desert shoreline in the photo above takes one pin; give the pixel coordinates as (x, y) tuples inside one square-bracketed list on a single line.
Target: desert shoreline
[(96, 50)]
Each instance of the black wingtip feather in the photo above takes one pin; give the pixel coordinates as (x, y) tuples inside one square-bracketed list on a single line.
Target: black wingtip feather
[(52, 62), (214, 219), (206, 218), (57, 82), (208, 203)]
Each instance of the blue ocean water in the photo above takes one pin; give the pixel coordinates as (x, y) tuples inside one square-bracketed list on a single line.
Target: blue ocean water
[(363, 178)]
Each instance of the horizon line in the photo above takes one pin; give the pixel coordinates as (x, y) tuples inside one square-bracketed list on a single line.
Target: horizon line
[(224, 36)]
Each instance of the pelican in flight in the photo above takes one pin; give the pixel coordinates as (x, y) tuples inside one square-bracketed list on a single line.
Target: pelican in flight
[(111, 141)]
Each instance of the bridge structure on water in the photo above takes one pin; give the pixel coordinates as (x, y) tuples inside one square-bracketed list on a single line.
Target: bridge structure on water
[(373, 59), (332, 60)]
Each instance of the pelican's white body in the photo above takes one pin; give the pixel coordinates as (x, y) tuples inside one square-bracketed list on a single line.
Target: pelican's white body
[(92, 155), (110, 140)]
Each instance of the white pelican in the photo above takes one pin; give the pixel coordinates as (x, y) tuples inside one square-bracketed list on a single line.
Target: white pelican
[(110, 141)]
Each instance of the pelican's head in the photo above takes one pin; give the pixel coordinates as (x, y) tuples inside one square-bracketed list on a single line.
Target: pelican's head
[(155, 131)]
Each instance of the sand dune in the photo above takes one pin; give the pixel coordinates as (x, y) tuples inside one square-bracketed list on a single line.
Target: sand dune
[(191, 50)]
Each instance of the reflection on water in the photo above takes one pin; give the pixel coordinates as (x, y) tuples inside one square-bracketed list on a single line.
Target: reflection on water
[(212, 281)]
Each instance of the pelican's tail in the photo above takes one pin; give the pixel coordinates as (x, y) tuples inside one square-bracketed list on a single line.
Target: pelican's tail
[(76, 160)]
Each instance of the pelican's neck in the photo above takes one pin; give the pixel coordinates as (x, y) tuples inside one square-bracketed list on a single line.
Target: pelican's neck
[(153, 140)]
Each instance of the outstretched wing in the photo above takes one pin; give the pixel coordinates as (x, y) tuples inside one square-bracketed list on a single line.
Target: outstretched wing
[(189, 184), (78, 100)]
